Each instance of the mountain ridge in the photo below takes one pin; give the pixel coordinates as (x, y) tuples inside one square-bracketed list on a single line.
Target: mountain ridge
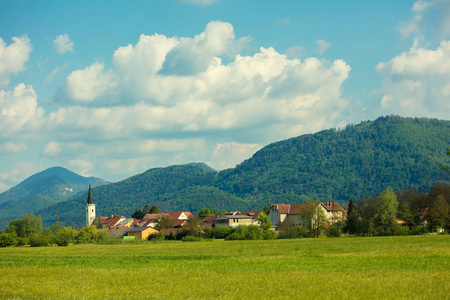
[(334, 164)]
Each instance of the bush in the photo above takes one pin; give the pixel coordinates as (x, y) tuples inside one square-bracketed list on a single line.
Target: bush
[(63, 237), (189, 238), (269, 235), (156, 237), (220, 232), (418, 230), (333, 232), (8, 239), (250, 232), (40, 239)]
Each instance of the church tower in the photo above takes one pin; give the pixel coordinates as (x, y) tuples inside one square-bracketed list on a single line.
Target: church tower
[(90, 208)]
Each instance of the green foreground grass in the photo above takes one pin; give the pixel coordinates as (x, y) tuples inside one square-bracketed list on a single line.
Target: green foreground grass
[(412, 267)]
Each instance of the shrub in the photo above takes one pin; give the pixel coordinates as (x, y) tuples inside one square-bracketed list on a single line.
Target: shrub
[(8, 239), (220, 232), (156, 237), (269, 235), (40, 239), (333, 232), (63, 237), (189, 238)]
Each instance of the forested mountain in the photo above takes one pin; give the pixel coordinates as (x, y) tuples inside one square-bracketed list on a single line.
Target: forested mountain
[(358, 161), (42, 190)]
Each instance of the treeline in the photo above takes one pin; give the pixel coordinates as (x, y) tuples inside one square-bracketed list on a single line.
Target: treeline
[(28, 230)]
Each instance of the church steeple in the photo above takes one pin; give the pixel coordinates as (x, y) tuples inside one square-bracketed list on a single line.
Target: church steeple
[(90, 208), (90, 200)]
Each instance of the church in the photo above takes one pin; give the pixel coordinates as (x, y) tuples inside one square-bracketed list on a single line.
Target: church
[(90, 208)]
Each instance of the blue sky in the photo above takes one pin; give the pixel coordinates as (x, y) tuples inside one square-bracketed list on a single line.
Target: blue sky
[(111, 89)]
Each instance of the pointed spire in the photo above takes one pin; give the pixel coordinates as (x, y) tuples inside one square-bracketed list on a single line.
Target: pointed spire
[(90, 200)]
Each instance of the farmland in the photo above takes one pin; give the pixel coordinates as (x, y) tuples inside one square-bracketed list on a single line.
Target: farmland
[(372, 268)]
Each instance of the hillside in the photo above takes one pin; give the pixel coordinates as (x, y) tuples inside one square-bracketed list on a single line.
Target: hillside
[(42, 190), (358, 161)]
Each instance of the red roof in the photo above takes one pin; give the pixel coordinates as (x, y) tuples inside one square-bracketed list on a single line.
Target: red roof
[(252, 213), (177, 214), (332, 206), (111, 221)]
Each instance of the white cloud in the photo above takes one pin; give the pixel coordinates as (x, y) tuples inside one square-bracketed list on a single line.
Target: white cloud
[(12, 148), (322, 46), (82, 166), (51, 149), (13, 57), (229, 154), (192, 56), (139, 116), (433, 14), (417, 82), (18, 173), (90, 83), (63, 44), (19, 111)]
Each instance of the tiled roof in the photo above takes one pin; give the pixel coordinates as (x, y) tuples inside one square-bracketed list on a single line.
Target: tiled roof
[(253, 213), (290, 209), (331, 206)]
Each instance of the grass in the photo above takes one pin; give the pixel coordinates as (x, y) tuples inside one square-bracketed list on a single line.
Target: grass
[(414, 267)]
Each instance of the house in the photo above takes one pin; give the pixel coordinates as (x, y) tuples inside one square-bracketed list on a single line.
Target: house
[(208, 221), (107, 222), (293, 212), (233, 219), (141, 233)]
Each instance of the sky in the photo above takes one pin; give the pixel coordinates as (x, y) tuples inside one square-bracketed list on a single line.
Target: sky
[(113, 88)]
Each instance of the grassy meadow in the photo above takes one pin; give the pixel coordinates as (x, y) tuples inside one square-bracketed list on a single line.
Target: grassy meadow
[(411, 267)]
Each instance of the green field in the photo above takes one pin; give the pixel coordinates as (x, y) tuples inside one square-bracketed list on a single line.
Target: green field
[(415, 267)]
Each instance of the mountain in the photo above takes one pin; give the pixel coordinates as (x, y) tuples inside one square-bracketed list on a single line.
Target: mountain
[(358, 161), (42, 190)]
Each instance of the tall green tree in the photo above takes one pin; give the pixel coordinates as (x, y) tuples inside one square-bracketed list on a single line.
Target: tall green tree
[(154, 210), (385, 211), (440, 213), (25, 226), (205, 212), (264, 221), (352, 219)]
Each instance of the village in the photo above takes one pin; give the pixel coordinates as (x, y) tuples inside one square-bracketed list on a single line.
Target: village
[(150, 224)]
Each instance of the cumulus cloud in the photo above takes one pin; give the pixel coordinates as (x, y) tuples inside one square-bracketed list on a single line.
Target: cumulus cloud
[(322, 46), (417, 82), (424, 14), (82, 166), (168, 100), (230, 154), (19, 111), (18, 173), (63, 44), (13, 57), (12, 148), (90, 83), (192, 56), (51, 149)]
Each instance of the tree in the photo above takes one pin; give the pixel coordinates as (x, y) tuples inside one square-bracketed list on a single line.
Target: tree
[(385, 210), (352, 221), (313, 217), (205, 212), (138, 214), (154, 210), (146, 209), (264, 221), (25, 226), (446, 169), (165, 222), (440, 213), (193, 226)]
